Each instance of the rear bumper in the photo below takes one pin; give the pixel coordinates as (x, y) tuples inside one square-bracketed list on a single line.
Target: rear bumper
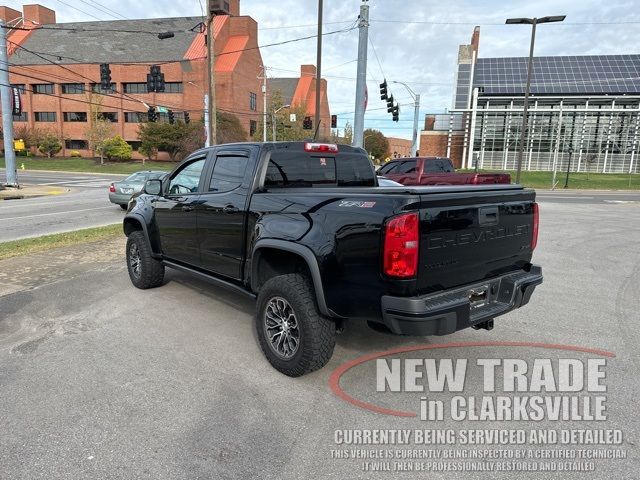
[(446, 312), (119, 198)]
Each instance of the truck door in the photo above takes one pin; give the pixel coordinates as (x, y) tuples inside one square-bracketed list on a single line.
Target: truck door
[(175, 213), (222, 212)]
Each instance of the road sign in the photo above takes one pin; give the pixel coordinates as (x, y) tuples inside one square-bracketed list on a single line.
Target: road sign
[(162, 110)]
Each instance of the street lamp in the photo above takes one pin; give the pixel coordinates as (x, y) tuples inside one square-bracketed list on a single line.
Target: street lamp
[(533, 22), (416, 116), (273, 119), (207, 142), (566, 182)]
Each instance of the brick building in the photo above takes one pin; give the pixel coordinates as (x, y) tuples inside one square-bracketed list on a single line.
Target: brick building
[(442, 138), (399, 147), (60, 81), (301, 91)]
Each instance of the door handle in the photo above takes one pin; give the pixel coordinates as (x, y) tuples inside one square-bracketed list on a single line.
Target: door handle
[(228, 209), (187, 208)]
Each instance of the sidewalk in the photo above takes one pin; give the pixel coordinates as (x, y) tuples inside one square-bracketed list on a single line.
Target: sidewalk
[(30, 271), (30, 191)]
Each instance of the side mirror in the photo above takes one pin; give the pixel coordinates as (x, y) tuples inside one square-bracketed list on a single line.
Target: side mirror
[(153, 186)]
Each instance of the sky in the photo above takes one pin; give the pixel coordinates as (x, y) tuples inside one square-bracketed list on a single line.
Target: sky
[(413, 41)]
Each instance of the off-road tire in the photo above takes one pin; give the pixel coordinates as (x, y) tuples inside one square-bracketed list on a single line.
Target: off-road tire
[(151, 271), (317, 334)]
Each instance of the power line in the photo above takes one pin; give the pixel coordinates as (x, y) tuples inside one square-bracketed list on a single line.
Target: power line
[(65, 68), (375, 52), (119, 96), (84, 29), (98, 7), (303, 26), (284, 42), (81, 11), (481, 24), (372, 78), (107, 9)]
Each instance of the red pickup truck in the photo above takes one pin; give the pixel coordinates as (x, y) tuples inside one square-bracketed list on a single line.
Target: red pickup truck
[(435, 171)]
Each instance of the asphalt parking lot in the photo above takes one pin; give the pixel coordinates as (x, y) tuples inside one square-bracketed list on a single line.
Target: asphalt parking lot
[(99, 380)]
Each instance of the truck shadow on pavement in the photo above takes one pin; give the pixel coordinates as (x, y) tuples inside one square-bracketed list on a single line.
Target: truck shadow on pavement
[(356, 337)]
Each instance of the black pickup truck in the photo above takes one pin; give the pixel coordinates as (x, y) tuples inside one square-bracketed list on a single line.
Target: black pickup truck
[(306, 229)]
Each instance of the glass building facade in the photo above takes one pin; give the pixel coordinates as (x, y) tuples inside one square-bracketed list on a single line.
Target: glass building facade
[(584, 113)]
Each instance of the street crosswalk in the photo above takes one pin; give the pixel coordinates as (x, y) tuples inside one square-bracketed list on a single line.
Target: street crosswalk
[(83, 183)]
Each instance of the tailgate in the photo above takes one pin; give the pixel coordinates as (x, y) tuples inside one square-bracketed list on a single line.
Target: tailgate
[(470, 236)]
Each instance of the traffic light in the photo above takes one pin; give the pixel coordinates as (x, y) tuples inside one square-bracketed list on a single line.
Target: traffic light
[(390, 104), (172, 117), (186, 117), (383, 90), (155, 79), (307, 123), (105, 76), (334, 121), (160, 82), (152, 115), (151, 83), (395, 114)]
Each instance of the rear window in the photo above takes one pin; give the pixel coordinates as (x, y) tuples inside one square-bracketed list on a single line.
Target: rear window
[(137, 177), (295, 169)]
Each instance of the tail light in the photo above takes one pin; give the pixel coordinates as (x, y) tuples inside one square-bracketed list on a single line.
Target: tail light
[(536, 222), (401, 246), (112, 188)]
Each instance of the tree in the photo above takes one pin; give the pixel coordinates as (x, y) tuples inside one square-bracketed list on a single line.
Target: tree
[(229, 129), (348, 133), (50, 144), (177, 139), (376, 144), (100, 130), (116, 148), (97, 134), (32, 136), (286, 130)]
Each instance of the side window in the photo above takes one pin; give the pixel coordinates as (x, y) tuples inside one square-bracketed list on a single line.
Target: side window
[(187, 179), (438, 165), (228, 173), (407, 167)]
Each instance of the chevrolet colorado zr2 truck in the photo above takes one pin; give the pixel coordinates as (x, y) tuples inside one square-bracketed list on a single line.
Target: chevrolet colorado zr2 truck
[(305, 228)]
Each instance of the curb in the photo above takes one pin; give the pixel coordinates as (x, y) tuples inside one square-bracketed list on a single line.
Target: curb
[(75, 173), (22, 194)]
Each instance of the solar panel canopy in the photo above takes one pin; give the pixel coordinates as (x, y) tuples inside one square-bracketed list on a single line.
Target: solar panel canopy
[(563, 75)]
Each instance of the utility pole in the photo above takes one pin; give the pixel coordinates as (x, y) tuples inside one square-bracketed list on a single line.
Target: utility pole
[(264, 103), (207, 142), (318, 64), (211, 80), (7, 111), (416, 120), (361, 78)]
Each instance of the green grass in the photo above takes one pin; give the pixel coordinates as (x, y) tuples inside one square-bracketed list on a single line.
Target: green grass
[(592, 181), (86, 165), (32, 245)]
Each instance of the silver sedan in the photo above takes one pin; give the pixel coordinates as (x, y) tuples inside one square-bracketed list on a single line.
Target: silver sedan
[(121, 192)]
